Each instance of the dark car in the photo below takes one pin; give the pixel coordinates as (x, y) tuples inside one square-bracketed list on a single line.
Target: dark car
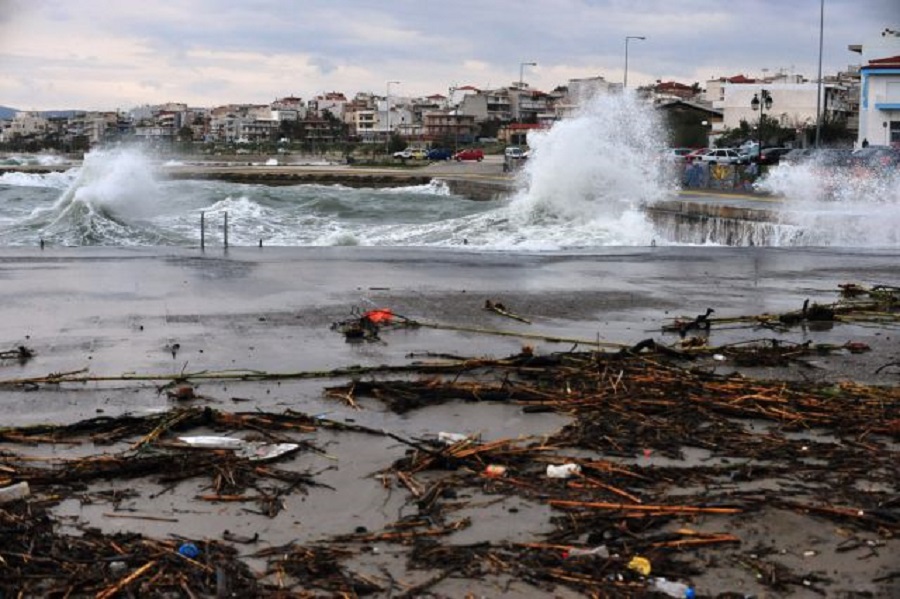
[(440, 154), (831, 157), (469, 154), (795, 156), (822, 158), (772, 156), (876, 158)]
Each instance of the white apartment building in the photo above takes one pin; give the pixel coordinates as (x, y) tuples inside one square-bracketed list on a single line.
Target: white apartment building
[(879, 104), (27, 123), (793, 104)]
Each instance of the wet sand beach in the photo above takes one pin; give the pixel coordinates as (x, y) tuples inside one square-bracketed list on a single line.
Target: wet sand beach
[(168, 311)]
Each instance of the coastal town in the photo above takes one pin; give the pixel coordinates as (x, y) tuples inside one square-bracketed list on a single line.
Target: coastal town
[(859, 106)]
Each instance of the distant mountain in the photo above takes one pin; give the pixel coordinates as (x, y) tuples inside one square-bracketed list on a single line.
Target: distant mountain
[(56, 114), (7, 113)]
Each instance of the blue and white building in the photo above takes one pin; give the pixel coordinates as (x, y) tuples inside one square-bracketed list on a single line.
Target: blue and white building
[(879, 104)]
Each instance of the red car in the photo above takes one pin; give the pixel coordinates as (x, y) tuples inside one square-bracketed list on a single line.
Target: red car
[(469, 154), (692, 156)]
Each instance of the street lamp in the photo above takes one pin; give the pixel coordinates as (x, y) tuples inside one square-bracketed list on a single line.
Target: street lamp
[(522, 72), (627, 39), (761, 102), (387, 110)]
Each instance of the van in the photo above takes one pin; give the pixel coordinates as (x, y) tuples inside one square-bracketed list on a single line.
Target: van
[(514, 152)]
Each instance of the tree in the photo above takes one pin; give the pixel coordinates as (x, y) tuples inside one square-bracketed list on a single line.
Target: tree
[(185, 134)]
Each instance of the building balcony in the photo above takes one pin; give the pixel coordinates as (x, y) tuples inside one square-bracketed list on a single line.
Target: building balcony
[(887, 102)]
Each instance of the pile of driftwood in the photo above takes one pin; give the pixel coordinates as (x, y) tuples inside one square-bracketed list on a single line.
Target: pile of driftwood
[(732, 448)]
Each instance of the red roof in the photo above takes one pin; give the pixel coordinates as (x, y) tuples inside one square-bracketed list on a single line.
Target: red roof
[(892, 61), (740, 79)]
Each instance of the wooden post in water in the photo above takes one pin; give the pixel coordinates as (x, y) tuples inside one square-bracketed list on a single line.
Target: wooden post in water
[(226, 230), (202, 230)]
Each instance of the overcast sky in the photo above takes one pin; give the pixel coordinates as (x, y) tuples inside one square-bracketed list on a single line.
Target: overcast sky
[(108, 54)]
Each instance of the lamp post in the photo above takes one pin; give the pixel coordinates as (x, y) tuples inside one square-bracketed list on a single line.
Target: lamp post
[(819, 85), (522, 72), (628, 38), (387, 110), (762, 102)]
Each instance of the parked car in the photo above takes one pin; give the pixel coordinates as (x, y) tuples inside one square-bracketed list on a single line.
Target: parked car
[(694, 154), (469, 154), (772, 156), (724, 156), (414, 153), (440, 154), (875, 161), (676, 154), (795, 156)]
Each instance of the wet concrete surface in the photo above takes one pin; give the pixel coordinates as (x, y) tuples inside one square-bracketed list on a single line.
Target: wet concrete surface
[(116, 311), (173, 310)]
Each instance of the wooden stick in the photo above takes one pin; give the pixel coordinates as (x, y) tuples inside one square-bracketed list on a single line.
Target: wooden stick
[(140, 517), (111, 591), (666, 509)]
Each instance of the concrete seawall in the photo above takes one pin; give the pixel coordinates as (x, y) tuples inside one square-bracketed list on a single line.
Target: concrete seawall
[(721, 219)]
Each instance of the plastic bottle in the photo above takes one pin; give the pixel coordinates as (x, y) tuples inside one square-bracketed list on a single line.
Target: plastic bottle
[(672, 588), (600, 550), (563, 471)]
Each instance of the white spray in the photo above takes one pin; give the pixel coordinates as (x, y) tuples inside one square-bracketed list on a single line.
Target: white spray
[(590, 175)]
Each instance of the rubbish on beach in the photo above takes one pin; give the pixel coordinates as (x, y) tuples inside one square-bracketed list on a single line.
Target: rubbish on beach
[(181, 393), (380, 316), (639, 564), (503, 311), (672, 588), (599, 551), (14, 492), (451, 438), (563, 470), (494, 470), (366, 326), (252, 450), (212, 442), (21, 353), (614, 407), (265, 451), (189, 550)]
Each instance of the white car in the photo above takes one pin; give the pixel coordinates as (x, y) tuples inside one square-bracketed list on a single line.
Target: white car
[(414, 153), (723, 156)]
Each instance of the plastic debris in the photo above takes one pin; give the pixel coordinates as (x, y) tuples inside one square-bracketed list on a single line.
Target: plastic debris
[(639, 564), (563, 470), (14, 492), (212, 442), (495, 470), (599, 551), (451, 438), (672, 588), (189, 550), (252, 450), (380, 316), (265, 451)]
